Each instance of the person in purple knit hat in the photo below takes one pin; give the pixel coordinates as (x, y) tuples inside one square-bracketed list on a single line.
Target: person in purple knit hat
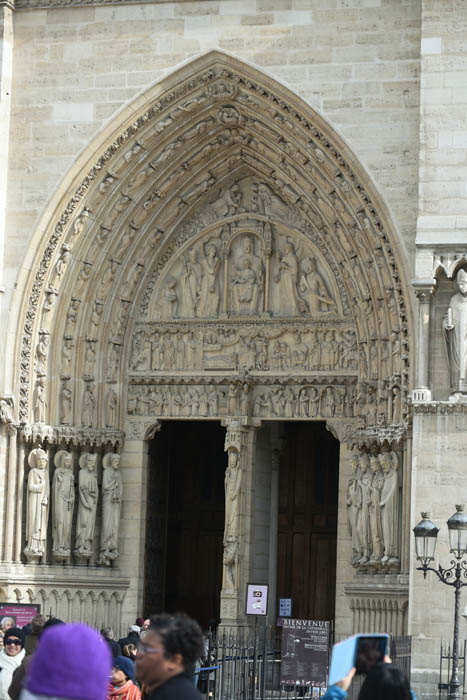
[(72, 662)]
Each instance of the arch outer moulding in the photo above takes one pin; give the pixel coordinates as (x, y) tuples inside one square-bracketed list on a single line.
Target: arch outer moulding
[(217, 252)]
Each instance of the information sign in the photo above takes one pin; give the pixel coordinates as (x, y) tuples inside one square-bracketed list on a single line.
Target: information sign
[(257, 599), (305, 652), (22, 613), (285, 607)]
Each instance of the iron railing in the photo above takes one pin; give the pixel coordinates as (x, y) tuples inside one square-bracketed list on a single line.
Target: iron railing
[(246, 665)]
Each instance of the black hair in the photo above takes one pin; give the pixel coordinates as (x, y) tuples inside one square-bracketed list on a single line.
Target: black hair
[(180, 634), (385, 682)]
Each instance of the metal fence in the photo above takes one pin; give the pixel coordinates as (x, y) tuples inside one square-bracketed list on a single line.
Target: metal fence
[(246, 665), (445, 669)]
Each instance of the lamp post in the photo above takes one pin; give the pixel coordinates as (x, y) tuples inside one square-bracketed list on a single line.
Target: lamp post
[(425, 543)]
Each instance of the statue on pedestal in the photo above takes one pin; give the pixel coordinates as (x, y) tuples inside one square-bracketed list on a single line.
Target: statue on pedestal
[(88, 494), (37, 514), (112, 492), (63, 500), (455, 334)]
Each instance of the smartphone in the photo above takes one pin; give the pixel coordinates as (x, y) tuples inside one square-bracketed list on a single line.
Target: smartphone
[(361, 650)]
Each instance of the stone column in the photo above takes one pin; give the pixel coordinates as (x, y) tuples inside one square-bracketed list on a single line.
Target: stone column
[(240, 447), (19, 501), (11, 493), (424, 294)]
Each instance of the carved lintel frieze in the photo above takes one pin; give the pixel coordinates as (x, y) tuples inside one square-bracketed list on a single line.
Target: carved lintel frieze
[(69, 435)]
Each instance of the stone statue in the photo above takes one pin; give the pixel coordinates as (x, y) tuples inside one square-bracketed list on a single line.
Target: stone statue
[(111, 404), (89, 405), (287, 278), (455, 333), (37, 513), (88, 495), (190, 284), (364, 523), (210, 293), (376, 531), (66, 396), (247, 280), (63, 500), (112, 492), (230, 562), (390, 508), (39, 402), (313, 290), (233, 476), (354, 507)]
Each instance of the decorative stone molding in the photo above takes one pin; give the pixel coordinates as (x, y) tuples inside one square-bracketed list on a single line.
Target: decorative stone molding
[(439, 408), (379, 605)]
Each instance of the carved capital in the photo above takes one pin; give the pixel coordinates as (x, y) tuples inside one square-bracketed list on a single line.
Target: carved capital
[(424, 290)]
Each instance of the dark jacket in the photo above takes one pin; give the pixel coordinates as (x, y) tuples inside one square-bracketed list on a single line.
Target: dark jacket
[(113, 646), (179, 687)]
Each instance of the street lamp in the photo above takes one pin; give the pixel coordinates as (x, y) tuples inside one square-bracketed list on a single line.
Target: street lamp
[(425, 543)]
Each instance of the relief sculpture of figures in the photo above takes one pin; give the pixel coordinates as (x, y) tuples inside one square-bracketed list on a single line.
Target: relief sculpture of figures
[(455, 333), (247, 280), (88, 494), (390, 508), (112, 492), (63, 500), (354, 507), (287, 278), (37, 513), (210, 292), (233, 476)]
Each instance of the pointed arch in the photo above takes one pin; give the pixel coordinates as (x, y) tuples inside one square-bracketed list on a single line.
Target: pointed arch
[(166, 173)]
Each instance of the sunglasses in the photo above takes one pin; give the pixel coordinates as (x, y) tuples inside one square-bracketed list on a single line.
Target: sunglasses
[(17, 642)]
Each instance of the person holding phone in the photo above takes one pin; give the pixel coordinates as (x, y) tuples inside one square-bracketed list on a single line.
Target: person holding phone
[(384, 682)]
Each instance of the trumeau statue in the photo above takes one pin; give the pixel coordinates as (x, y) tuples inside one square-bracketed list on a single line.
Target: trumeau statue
[(63, 499), (112, 492), (233, 475), (87, 504), (37, 505), (455, 333)]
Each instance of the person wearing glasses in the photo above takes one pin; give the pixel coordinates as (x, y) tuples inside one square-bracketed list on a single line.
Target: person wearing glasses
[(11, 657), (166, 658)]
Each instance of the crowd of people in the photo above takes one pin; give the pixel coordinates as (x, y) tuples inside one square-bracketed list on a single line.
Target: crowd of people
[(155, 661), (51, 659)]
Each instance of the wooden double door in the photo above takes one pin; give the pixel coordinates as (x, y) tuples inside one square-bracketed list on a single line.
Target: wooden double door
[(307, 537)]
